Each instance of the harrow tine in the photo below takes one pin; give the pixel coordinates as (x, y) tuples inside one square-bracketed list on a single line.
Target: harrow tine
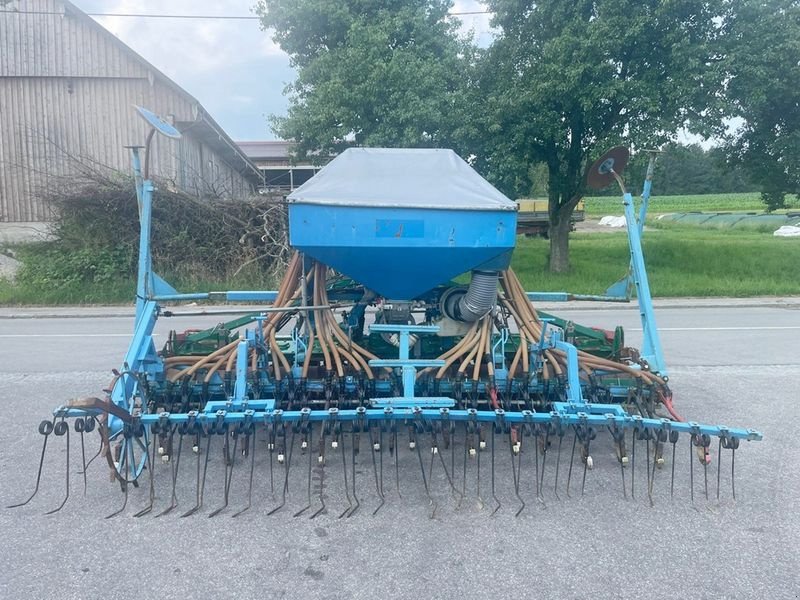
[(494, 495), (425, 481), (378, 483), (558, 463), (80, 426), (464, 475), (355, 434), (719, 464), (571, 461), (647, 469), (448, 473), (673, 439), (344, 473), (91, 460), (536, 461), (127, 459), (175, 466), (481, 503), (150, 468), (251, 448), (310, 465), (691, 466), (45, 429), (633, 463), (589, 434), (705, 441), (396, 460), (321, 462), (619, 438), (734, 446), (271, 448), (544, 459), (228, 473), (62, 428), (288, 464), (201, 485), (514, 470)]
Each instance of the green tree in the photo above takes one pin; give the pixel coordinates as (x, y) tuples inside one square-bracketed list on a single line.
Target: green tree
[(564, 79), (763, 41), (371, 73)]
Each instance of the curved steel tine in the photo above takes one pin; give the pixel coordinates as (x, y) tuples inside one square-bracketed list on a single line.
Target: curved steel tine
[(705, 472), (672, 481), (481, 503), (571, 459), (127, 461), (535, 435), (558, 464), (175, 466), (633, 463), (425, 482), (251, 447), (620, 441), (310, 465), (516, 471), (653, 472), (735, 444), (380, 460), (396, 460), (340, 434), (447, 473), (201, 484), (41, 461), (585, 463), (452, 444), (151, 468), (494, 495), (228, 473), (719, 465), (355, 439), (691, 466), (321, 461), (66, 497), (464, 474), (545, 448), (83, 458), (647, 470), (99, 451), (286, 473), (373, 451)]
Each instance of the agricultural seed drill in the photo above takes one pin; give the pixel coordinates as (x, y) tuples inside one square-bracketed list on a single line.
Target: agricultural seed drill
[(369, 356)]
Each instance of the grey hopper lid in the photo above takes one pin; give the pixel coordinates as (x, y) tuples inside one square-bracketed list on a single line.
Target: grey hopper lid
[(401, 178)]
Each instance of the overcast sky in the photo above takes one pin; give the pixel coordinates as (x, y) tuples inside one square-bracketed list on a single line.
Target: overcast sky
[(233, 68)]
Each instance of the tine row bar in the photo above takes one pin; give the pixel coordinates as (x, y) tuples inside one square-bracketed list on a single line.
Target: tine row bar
[(557, 418)]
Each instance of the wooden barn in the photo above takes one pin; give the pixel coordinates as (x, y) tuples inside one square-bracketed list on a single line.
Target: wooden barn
[(67, 90)]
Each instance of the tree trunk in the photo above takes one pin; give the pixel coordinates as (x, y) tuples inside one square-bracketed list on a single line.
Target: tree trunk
[(559, 242)]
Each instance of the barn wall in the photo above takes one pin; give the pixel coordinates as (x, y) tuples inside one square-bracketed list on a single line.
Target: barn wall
[(67, 91)]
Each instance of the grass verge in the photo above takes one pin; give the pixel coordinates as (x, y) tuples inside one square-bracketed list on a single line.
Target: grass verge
[(598, 206), (681, 261)]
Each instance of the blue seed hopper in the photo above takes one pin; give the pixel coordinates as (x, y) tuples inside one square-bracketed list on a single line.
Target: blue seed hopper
[(369, 356)]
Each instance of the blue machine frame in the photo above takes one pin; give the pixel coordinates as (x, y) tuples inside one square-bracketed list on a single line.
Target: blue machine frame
[(142, 359)]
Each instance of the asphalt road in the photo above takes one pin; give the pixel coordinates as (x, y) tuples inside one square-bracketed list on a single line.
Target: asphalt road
[(735, 363)]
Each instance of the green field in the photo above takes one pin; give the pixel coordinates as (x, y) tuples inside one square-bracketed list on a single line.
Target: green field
[(598, 206), (680, 262)]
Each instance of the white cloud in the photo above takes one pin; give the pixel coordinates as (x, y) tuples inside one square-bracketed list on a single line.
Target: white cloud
[(180, 46)]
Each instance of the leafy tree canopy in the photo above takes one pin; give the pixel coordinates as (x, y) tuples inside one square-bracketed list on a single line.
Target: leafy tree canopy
[(763, 59), (565, 79), (370, 72)]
